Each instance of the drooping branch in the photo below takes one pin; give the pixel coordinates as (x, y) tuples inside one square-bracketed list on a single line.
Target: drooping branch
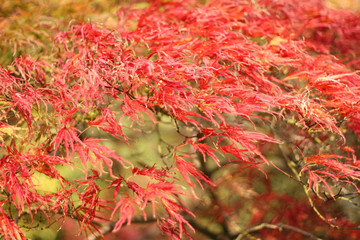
[(107, 228)]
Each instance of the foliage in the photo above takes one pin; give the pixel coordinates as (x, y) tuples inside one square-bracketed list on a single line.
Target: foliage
[(221, 119)]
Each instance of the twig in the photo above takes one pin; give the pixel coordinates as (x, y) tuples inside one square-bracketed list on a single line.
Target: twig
[(205, 231), (109, 227), (291, 165), (280, 227)]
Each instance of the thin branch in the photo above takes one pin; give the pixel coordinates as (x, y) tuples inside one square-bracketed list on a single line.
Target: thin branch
[(205, 231), (109, 227), (306, 191), (291, 164), (280, 227)]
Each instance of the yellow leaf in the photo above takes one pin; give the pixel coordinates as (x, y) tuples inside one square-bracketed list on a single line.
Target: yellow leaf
[(7, 130), (277, 41)]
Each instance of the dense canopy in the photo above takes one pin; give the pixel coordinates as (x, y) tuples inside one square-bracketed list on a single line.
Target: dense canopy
[(216, 120)]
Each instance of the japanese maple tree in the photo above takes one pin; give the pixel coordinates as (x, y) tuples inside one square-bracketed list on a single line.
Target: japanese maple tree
[(224, 119)]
